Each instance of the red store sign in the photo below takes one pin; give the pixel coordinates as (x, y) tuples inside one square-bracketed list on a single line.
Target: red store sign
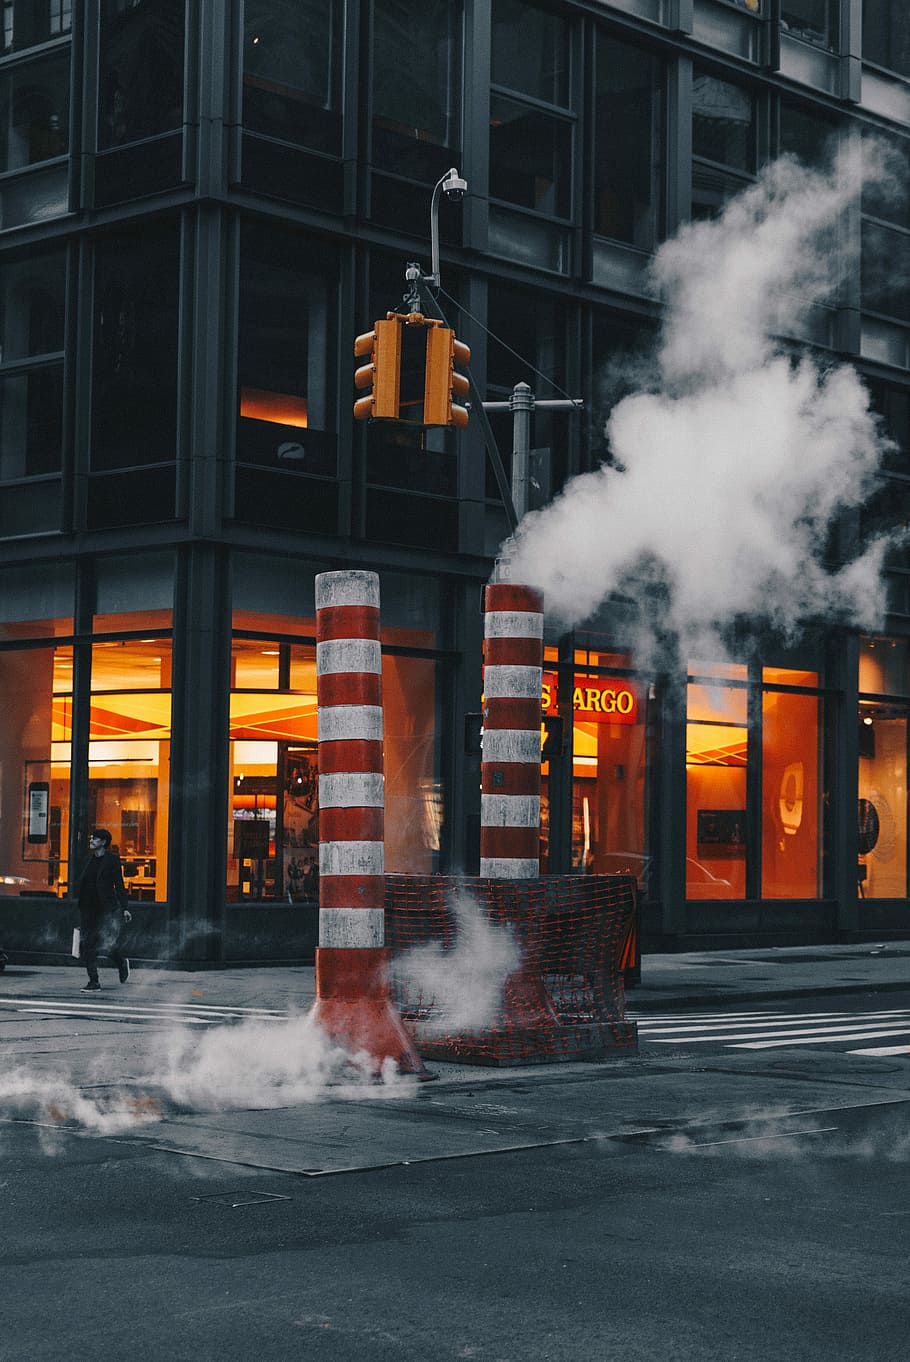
[(595, 699)]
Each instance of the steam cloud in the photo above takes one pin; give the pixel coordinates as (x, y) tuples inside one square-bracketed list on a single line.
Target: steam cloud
[(462, 987), (733, 458)]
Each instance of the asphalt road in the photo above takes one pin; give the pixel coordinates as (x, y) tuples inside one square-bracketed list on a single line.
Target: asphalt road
[(729, 1247), (699, 1203)]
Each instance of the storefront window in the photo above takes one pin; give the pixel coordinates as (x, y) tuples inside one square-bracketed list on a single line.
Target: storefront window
[(717, 748), (273, 823), (608, 764), (413, 788), (273, 833), (35, 745), (791, 754), (129, 756), (882, 810)]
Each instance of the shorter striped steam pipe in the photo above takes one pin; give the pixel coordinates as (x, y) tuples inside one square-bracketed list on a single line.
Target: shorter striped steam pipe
[(510, 761)]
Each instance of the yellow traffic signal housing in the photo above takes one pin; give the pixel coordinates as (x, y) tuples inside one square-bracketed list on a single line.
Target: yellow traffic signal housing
[(382, 374), (442, 383), (411, 372)]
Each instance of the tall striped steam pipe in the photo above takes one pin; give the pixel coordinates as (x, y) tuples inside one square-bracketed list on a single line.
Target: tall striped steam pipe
[(510, 763), (353, 1001)]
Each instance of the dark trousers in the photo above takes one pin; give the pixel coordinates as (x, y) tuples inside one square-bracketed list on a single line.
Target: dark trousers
[(100, 935)]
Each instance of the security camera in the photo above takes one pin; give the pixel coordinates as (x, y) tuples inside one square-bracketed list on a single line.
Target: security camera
[(453, 186)]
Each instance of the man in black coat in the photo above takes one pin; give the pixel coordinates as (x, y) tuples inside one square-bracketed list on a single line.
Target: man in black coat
[(102, 909)]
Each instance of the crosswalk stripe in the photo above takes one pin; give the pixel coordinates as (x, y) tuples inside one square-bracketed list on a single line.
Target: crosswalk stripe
[(796, 1030), (820, 1040), (111, 1009), (790, 1019), (883, 1050), (122, 1014), (190, 1007)]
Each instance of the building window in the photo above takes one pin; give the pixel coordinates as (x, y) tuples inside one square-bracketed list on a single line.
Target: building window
[(531, 128), (35, 749), (886, 35), (885, 253), (26, 23), (791, 783), (34, 130), (416, 87), (882, 810), (892, 404), (717, 752), (36, 101), (134, 390), (32, 311), (531, 51), (292, 72), (286, 443), (771, 720), (628, 143), (129, 755), (608, 763), (723, 142), (804, 135), (527, 344), (813, 21), (273, 802), (141, 70)]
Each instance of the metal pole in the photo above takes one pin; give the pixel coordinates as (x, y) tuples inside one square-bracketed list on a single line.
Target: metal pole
[(521, 404)]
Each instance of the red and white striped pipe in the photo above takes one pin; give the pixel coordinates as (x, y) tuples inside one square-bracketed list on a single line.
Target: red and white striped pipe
[(510, 761), (353, 1000)]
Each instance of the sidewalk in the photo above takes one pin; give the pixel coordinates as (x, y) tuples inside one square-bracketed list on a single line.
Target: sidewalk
[(688, 979), (713, 978), (246, 1117)]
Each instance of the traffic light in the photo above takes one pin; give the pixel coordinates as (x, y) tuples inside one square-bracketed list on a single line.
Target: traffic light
[(411, 372), (382, 373), (442, 383)]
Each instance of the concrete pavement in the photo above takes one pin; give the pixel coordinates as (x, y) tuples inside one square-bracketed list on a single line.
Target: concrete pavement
[(692, 978), (135, 1062)]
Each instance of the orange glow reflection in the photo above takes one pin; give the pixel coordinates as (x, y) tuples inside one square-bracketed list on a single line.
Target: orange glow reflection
[(284, 409)]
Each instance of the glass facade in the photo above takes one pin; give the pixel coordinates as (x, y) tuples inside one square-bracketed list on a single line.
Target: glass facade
[(193, 227)]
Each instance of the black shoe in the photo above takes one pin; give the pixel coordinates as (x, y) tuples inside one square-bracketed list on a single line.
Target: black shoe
[(123, 969), (91, 987)]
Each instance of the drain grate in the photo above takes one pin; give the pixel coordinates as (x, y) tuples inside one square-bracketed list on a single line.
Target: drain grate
[(235, 1199)]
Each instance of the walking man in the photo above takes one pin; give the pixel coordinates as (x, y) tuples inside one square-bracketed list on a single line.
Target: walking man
[(102, 909)]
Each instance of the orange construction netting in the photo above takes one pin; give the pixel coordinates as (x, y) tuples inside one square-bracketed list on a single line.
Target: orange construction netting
[(491, 971)]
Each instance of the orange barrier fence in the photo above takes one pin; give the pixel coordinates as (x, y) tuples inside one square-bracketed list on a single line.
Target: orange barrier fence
[(498, 971)]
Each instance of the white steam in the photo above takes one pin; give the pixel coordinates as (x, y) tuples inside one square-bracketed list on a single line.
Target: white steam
[(732, 465), (251, 1065), (459, 989)]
